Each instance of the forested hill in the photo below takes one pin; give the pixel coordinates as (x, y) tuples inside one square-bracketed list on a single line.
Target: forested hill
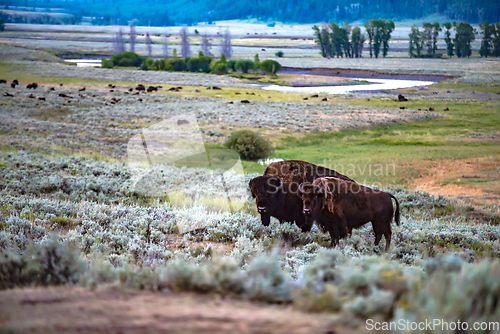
[(178, 12)]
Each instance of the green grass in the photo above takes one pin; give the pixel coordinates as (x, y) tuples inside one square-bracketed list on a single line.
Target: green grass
[(400, 153), (494, 89)]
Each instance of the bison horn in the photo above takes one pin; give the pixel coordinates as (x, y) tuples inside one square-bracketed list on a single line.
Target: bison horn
[(301, 189)]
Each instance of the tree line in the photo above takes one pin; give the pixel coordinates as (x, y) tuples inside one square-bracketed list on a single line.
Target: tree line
[(41, 18), (205, 61), (460, 45), (201, 63), (175, 12), (344, 41)]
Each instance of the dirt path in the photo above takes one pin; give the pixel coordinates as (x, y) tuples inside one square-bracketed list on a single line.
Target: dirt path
[(79, 310), (473, 181)]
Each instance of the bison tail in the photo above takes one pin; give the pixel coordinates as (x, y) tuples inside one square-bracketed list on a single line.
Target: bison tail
[(397, 217)]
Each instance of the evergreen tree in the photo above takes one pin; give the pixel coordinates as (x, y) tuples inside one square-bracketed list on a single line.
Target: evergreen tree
[(487, 30), (256, 61), (428, 35), (132, 37), (165, 46), (448, 40), (336, 40), (345, 32), (319, 40), (417, 40), (370, 31), (387, 29), (378, 37), (325, 38), (226, 48), (206, 45), (185, 50), (496, 39), (435, 33), (464, 35), (148, 45), (357, 39)]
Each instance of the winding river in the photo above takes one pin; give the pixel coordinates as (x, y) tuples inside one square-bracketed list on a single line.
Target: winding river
[(372, 85)]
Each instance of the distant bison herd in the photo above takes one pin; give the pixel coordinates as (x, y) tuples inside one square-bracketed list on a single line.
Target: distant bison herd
[(304, 193)]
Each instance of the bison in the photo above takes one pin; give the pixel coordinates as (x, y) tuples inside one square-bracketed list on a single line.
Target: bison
[(275, 192), (152, 89), (338, 206), (33, 85), (140, 88)]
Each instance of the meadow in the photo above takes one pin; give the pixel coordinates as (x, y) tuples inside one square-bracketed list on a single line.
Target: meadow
[(66, 199)]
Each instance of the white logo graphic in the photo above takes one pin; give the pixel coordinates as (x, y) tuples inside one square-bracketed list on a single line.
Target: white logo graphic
[(169, 159)]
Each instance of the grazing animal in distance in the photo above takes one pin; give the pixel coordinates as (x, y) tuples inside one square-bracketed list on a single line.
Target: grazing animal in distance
[(2, 81), (152, 89), (33, 85), (140, 88), (401, 98), (276, 191), (339, 206)]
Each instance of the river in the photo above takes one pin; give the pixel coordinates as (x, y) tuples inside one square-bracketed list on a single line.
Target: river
[(372, 85)]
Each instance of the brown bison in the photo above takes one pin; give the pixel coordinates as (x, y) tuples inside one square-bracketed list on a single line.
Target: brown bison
[(275, 192), (33, 85), (338, 206)]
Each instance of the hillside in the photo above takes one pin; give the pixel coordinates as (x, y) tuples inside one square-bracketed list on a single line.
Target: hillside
[(162, 13)]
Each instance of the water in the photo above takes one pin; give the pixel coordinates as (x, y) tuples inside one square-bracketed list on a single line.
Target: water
[(373, 84), (85, 62)]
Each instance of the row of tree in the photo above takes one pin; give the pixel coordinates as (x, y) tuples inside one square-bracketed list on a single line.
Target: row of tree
[(180, 12), (41, 18), (344, 41), (202, 63), (460, 45), (206, 44)]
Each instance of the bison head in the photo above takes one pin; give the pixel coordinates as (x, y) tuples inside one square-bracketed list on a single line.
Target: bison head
[(310, 195), (268, 193)]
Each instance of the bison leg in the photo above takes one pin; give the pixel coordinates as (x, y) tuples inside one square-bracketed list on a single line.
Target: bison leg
[(265, 219), (387, 235), (378, 237), (305, 224)]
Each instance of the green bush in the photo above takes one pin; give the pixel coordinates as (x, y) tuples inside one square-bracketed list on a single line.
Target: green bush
[(193, 65), (126, 59), (219, 67), (205, 63), (244, 65), (231, 65), (279, 54), (106, 63), (161, 64), (177, 65), (429, 55), (248, 144), (147, 64), (52, 263), (270, 66)]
